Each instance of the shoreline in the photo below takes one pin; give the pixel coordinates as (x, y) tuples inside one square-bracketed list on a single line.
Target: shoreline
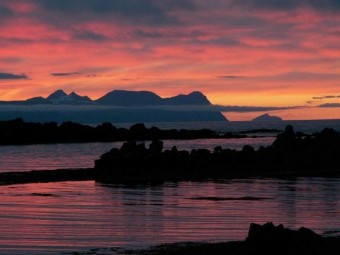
[(266, 239), (44, 176), (290, 156), (89, 174)]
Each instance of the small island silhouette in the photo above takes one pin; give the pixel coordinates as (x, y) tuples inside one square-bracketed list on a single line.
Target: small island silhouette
[(267, 117), (19, 132)]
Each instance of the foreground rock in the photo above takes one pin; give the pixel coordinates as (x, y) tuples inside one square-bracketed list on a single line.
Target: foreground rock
[(262, 239), (290, 155)]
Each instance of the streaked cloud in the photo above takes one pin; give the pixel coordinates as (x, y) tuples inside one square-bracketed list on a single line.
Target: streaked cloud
[(224, 108), (326, 97), (89, 35), (64, 74), (230, 76), (12, 76), (330, 105), (317, 5)]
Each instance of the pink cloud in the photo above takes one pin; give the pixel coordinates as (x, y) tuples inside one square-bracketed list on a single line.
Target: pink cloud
[(278, 51)]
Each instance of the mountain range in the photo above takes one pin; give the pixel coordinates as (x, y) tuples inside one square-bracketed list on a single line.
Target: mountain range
[(115, 98), (118, 106)]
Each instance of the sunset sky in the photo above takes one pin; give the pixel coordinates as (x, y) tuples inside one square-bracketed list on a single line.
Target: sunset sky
[(280, 53)]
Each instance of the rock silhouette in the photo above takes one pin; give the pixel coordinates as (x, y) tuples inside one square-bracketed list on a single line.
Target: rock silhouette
[(289, 155), (269, 233), (18, 131)]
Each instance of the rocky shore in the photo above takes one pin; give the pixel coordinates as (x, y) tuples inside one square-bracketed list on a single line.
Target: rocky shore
[(290, 155), (19, 132), (266, 239), (83, 174)]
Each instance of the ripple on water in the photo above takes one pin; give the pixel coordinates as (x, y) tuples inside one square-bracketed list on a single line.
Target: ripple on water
[(52, 218)]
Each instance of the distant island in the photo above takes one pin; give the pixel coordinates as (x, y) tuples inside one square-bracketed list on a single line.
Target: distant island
[(19, 132), (267, 117), (118, 106)]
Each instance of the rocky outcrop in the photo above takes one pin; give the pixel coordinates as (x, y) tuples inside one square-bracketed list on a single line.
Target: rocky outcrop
[(290, 155), (269, 233), (264, 239)]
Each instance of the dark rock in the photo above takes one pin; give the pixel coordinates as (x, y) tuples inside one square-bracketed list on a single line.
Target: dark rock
[(317, 155), (156, 147), (286, 139), (268, 233)]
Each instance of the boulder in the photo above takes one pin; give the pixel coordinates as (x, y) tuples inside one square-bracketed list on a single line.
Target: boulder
[(269, 233)]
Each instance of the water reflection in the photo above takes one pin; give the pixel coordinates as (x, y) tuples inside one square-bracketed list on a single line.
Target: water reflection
[(53, 156), (52, 218)]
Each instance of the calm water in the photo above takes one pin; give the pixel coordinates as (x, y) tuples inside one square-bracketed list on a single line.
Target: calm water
[(44, 157), (58, 218)]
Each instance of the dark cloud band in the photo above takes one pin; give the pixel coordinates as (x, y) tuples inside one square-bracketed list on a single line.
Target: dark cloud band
[(230, 77), (12, 76), (317, 5), (63, 74)]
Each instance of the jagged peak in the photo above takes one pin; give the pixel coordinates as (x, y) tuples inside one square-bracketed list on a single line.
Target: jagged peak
[(267, 117), (198, 93), (193, 98), (57, 94)]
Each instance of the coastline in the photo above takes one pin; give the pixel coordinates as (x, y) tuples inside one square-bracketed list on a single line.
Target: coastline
[(42, 176), (262, 239), (89, 174), (291, 155)]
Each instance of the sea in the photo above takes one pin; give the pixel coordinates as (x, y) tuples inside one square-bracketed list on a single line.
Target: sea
[(92, 218)]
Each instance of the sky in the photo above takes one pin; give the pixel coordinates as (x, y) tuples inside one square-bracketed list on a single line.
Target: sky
[(256, 53)]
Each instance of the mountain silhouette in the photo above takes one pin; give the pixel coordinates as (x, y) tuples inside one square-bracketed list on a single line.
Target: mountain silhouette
[(116, 106), (194, 98), (147, 98), (57, 95), (130, 98), (60, 97), (116, 98), (267, 117), (37, 100)]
